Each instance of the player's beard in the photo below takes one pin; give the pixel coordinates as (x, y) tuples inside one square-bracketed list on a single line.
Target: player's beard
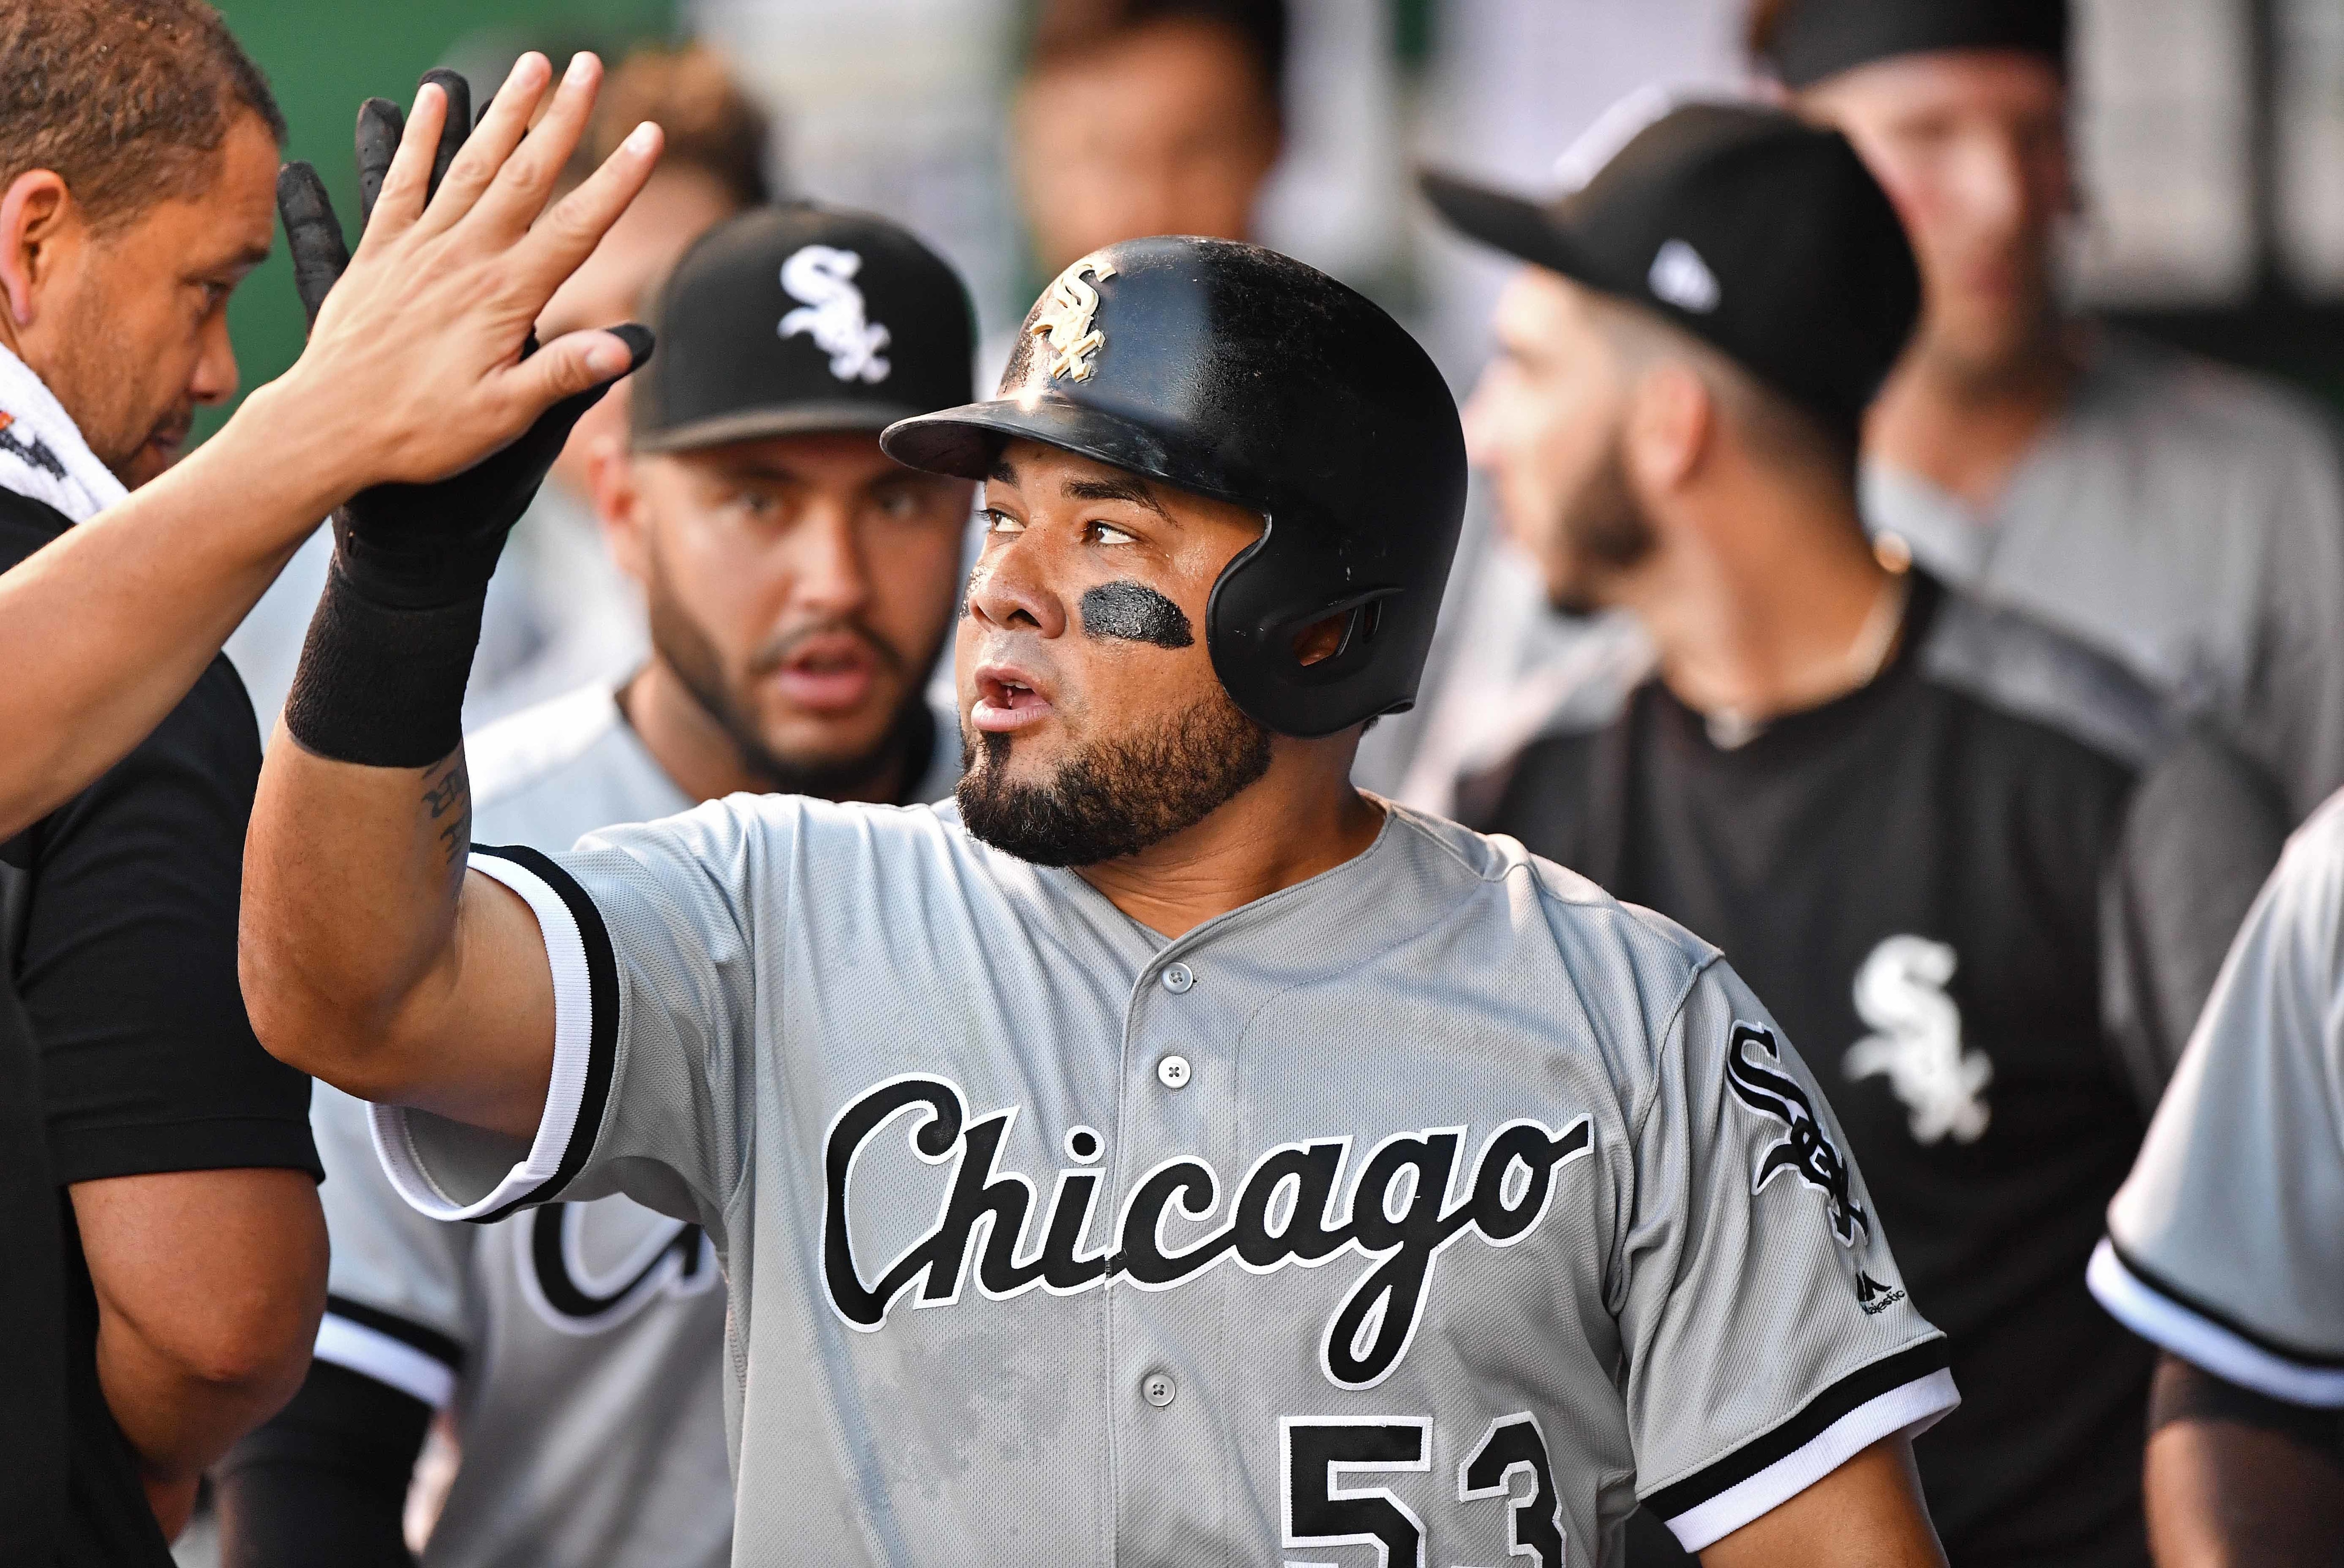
[(1115, 798), (1603, 532), (688, 650)]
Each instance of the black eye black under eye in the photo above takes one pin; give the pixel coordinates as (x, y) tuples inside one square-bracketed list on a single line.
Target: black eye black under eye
[(1135, 613)]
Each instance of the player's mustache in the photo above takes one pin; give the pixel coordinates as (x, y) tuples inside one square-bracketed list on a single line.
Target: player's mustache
[(784, 648)]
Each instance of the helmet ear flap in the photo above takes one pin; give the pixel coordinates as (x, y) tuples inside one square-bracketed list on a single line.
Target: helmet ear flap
[(1256, 627)]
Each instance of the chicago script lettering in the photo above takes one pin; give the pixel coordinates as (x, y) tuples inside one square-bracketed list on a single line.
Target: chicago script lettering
[(1293, 1206)]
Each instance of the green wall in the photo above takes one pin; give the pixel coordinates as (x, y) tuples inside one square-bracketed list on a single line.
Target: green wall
[(324, 58)]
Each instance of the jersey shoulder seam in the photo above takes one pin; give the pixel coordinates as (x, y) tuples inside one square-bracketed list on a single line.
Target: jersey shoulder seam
[(1410, 821), (1676, 1014)]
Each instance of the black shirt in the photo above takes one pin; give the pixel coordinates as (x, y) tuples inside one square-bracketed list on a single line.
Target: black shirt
[(120, 926), (31, 1303), (1912, 877)]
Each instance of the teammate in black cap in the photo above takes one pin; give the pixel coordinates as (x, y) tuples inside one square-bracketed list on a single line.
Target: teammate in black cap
[(1903, 814), (800, 583), (2186, 519)]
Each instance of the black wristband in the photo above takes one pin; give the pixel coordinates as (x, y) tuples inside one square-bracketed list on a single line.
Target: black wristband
[(380, 685)]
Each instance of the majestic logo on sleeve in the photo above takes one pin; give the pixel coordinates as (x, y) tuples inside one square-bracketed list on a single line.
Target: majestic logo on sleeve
[(1293, 1206), (1917, 1041), (1873, 1297), (1806, 1152), (1064, 320), (832, 310)]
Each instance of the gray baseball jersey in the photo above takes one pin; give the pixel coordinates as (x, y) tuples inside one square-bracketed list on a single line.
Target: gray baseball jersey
[(2186, 519), (1428, 1211), (2226, 1244), (581, 1345)]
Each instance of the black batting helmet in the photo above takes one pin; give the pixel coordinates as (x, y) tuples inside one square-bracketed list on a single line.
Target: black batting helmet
[(1239, 373)]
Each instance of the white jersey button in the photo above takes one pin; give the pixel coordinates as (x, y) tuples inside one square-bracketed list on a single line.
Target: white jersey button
[(1172, 1072), (1158, 1389), (1178, 977)]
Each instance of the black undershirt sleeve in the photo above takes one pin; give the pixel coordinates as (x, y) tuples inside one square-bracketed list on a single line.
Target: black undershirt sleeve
[(326, 1480), (2183, 1392)]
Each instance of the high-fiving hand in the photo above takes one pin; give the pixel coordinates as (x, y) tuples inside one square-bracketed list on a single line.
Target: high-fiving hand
[(420, 343), (442, 198)]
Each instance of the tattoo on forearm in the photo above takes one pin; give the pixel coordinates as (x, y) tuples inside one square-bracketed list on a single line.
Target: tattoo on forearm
[(448, 796)]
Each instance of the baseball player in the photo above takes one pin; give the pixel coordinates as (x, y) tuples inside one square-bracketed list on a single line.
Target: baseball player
[(2226, 1245), (801, 584), (1163, 1152), (142, 154), (1917, 823), (2058, 466)]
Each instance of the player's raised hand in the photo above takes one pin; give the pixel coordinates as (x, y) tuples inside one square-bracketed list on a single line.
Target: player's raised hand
[(421, 353), (422, 544)]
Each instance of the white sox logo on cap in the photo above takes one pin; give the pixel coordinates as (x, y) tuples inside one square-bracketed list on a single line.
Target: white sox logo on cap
[(833, 312), (1064, 320), (1292, 1206)]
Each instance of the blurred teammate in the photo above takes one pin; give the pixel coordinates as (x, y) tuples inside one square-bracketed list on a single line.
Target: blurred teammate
[(1906, 815), (2226, 1246), (560, 612), (1147, 116), (140, 157), (138, 152), (2184, 518), (801, 583)]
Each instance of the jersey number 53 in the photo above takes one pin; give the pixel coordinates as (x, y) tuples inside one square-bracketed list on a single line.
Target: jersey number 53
[(1322, 1507)]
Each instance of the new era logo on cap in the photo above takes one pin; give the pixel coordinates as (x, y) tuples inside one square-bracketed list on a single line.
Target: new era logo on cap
[(1762, 235), (1681, 278)]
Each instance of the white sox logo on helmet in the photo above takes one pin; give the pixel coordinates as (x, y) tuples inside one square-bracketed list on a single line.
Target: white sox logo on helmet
[(1293, 1206), (1064, 320)]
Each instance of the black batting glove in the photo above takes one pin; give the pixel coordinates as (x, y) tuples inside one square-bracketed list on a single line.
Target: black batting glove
[(389, 652)]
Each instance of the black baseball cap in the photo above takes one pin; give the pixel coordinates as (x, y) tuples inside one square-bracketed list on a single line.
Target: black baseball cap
[(799, 317), (1806, 41), (1756, 232)]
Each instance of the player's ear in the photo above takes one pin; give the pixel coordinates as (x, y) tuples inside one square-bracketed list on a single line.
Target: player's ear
[(32, 211), (1671, 415), (612, 485)]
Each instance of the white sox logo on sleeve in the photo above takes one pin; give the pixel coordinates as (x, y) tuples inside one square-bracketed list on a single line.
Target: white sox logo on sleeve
[(1808, 1152), (1292, 1206)]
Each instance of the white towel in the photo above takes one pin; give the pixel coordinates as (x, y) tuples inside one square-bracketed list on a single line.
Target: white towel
[(42, 454)]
